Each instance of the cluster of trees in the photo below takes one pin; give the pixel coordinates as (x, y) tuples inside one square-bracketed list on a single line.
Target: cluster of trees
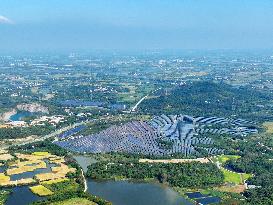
[(257, 161), (180, 175), (62, 196), (210, 99), (19, 132), (3, 196), (42, 146)]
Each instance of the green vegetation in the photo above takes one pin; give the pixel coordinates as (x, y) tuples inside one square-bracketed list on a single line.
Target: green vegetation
[(106, 81), (261, 166), (74, 201), (42, 146), (234, 177), (41, 190), (3, 196), (224, 158), (205, 98), (269, 127), (20, 132), (181, 174), (231, 177)]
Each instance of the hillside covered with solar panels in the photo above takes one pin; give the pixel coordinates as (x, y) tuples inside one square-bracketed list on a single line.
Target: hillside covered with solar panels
[(163, 135)]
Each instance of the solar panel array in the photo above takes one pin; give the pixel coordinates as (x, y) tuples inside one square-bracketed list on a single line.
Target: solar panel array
[(133, 137), (185, 133)]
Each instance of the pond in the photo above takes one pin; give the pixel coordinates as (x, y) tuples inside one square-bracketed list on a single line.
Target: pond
[(2, 169), (33, 173), (20, 115), (21, 195), (135, 193)]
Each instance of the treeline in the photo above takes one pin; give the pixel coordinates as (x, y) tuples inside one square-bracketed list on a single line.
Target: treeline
[(72, 194), (20, 132), (42, 146), (181, 175), (259, 162), (210, 99)]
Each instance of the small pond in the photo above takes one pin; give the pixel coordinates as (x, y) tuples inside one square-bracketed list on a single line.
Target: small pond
[(20, 115)]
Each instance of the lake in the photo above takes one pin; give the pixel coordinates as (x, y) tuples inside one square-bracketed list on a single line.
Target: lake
[(118, 192), (130, 193), (20, 115), (135, 193)]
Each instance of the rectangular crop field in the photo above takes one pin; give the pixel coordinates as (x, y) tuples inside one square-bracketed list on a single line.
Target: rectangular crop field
[(40, 190)]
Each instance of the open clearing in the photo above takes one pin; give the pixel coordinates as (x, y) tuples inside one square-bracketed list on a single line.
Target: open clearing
[(234, 189), (269, 127), (224, 158), (5, 157), (75, 201), (233, 177), (40, 190)]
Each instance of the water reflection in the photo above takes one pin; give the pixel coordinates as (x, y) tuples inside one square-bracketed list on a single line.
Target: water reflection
[(124, 193)]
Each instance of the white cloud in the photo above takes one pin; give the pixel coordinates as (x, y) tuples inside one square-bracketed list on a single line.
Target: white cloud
[(5, 20)]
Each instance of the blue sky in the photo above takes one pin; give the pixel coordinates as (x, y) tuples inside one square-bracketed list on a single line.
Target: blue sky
[(29, 25)]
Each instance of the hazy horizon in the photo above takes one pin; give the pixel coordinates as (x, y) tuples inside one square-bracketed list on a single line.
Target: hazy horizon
[(135, 25)]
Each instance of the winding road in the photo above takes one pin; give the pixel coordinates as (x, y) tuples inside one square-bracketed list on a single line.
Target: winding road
[(84, 180)]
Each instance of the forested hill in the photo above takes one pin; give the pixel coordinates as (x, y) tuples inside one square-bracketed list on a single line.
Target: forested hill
[(210, 99)]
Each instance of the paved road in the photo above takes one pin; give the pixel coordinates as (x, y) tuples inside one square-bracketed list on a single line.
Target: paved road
[(137, 104), (84, 180), (53, 134), (140, 101)]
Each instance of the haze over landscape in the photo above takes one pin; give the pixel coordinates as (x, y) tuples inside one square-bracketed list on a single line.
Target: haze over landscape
[(127, 24)]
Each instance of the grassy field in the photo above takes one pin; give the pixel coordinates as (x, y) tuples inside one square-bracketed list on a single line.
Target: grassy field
[(40, 190), (246, 176), (75, 201), (4, 178), (44, 154), (224, 158), (269, 127), (62, 187), (233, 177)]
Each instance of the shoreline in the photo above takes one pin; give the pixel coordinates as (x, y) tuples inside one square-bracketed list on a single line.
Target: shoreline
[(6, 115)]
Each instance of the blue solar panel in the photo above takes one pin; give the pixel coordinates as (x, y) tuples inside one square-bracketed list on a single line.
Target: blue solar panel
[(209, 200), (194, 195)]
